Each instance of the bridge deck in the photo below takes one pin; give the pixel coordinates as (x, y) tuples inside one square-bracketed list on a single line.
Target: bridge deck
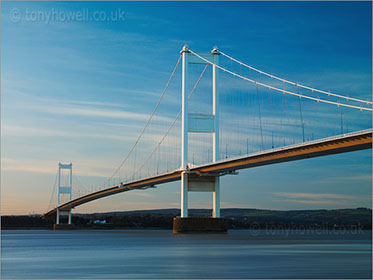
[(333, 145)]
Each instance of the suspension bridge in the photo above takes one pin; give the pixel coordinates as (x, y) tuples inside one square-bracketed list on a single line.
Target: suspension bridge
[(217, 115)]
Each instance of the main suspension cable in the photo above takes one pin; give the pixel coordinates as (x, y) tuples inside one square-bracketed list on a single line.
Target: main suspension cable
[(282, 90), (296, 84)]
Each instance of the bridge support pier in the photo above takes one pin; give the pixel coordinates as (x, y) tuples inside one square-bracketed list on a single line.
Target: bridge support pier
[(58, 217), (59, 214), (184, 195), (195, 183)]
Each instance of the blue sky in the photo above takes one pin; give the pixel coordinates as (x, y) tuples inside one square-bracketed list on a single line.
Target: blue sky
[(81, 90)]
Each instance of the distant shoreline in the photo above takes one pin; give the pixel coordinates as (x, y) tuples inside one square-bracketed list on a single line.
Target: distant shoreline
[(237, 218)]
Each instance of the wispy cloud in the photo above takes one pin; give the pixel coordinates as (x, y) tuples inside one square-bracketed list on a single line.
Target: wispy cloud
[(318, 198), (315, 195), (71, 107), (345, 179), (141, 194), (40, 132), (315, 202), (97, 168), (11, 164), (94, 112)]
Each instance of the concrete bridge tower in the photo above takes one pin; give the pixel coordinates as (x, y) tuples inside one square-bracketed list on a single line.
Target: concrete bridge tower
[(199, 123), (64, 189)]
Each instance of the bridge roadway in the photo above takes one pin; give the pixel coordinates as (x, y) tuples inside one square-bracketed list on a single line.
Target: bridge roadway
[(327, 146)]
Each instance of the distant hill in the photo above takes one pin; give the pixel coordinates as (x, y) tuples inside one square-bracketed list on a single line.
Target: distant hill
[(253, 213), (236, 218), (246, 217)]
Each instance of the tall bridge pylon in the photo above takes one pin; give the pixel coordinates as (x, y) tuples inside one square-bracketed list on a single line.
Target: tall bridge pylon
[(199, 123), (64, 189)]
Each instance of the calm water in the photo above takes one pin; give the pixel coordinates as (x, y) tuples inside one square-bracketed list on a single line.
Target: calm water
[(160, 254)]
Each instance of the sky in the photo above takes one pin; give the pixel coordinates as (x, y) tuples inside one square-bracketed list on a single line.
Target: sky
[(80, 79)]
